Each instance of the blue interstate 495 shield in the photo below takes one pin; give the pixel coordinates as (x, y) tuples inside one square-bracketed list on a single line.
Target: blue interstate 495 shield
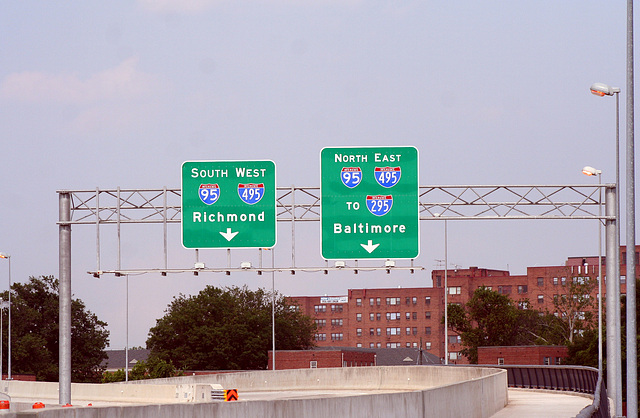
[(209, 193), (388, 176), (251, 193)]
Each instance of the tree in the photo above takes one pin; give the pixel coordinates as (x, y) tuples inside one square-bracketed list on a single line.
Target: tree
[(35, 336), (153, 368), (491, 319), (226, 329), (575, 307)]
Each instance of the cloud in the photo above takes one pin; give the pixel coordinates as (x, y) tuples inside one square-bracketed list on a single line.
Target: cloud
[(123, 82)]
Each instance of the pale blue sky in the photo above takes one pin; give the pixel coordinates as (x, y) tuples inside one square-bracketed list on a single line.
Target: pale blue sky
[(120, 93)]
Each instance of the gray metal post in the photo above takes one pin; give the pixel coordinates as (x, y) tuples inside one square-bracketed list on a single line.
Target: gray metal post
[(632, 371), (446, 304), (613, 293), (273, 310), (64, 367)]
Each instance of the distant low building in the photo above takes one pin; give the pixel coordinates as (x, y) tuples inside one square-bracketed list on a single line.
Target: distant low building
[(116, 359), (547, 355), (326, 357)]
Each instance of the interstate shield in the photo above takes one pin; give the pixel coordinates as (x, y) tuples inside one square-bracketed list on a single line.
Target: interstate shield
[(379, 205), (387, 176), (209, 193), (251, 193)]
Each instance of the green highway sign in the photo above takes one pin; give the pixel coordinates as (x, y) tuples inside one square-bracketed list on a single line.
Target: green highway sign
[(229, 204), (369, 202)]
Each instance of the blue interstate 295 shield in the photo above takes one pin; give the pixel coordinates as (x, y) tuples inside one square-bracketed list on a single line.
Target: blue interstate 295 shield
[(379, 205)]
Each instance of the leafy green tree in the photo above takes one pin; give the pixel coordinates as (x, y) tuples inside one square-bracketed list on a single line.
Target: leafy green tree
[(492, 319), (227, 329), (35, 334)]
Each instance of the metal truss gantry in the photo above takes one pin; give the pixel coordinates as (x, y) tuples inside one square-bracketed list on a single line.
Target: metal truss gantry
[(302, 204)]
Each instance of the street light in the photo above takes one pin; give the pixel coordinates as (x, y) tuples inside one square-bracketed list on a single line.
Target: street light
[(614, 365), (590, 171), (8, 257)]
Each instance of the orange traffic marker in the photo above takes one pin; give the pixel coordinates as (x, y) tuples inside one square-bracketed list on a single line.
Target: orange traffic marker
[(37, 405)]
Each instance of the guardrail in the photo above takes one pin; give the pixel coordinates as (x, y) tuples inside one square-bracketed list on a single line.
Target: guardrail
[(566, 378)]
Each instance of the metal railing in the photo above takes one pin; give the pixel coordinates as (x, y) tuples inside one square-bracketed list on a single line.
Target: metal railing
[(563, 378)]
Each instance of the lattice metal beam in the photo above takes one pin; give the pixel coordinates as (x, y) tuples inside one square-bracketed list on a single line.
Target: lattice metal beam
[(110, 206)]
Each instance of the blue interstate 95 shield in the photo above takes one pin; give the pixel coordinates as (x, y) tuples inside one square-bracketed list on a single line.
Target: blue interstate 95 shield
[(351, 176), (379, 205), (209, 193), (251, 193), (387, 176)]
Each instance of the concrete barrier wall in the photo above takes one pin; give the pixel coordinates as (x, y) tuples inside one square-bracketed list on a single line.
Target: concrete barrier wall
[(479, 392), (368, 378)]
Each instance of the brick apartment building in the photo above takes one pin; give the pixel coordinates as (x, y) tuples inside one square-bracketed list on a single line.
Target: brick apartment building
[(411, 317)]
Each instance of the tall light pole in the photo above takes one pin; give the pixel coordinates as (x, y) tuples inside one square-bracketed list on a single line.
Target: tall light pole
[(590, 171), (446, 316), (614, 348), (8, 257)]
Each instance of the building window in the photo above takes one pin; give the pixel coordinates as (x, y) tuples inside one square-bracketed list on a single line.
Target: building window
[(320, 308), (504, 290), (313, 364), (359, 332), (359, 345), (336, 308), (408, 330), (378, 301), (358, 302), (378, 316), (372, 331), (407, 315), (427, 346), (370, 301), (540, 299), (408, 301), (455, 290), (372, 317), (320, 322), (500, 361), (427, 330), (563, 281), (453, 356), (454, 339), (427, 315), (336, 322), (540, 281), (414, 315), (320, 337), (337, 336), (378, 345), (522, 289), (379, 331), (393, 316), (372, 345), (558, 361), (393, 301), (546, 361), (359, 317), (555, 281), (394, 331), (408, 345), (427, 300), (414, 330)]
